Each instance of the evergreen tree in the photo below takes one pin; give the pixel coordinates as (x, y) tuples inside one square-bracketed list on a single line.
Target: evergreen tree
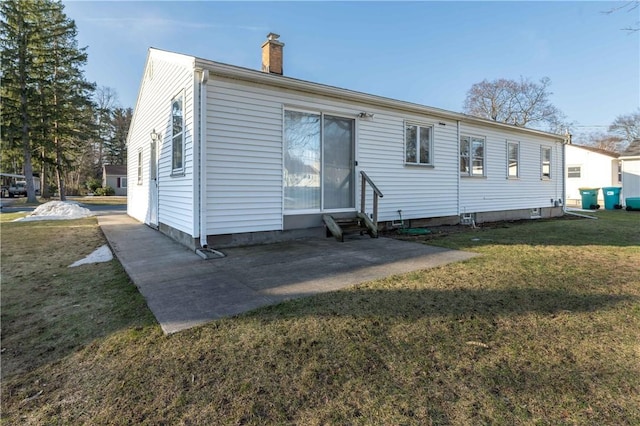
[(47, 96), (116, 148), (18, 33)]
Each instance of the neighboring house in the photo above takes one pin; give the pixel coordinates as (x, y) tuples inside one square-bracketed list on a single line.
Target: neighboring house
[(630, 168), (589, 167), (115, 177), (221, 155)]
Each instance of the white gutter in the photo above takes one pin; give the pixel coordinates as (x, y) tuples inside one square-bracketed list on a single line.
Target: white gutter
[(204, 78)]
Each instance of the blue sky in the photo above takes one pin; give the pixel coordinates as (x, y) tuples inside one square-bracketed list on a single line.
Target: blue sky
[(424, 52)]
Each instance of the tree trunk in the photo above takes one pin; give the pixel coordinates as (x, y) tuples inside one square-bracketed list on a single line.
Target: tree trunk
[(26, 141), (59, 173), (44, 179)]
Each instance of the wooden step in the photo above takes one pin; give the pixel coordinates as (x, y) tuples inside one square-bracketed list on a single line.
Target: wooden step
[(339, 227)]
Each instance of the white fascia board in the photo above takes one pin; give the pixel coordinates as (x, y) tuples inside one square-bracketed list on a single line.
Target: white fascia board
[(250, 75)]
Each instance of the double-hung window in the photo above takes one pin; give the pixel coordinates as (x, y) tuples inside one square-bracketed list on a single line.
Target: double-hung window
[(140, 167), (418, 144), (545, 162), (177, 136), (513, 160), (472, 156)]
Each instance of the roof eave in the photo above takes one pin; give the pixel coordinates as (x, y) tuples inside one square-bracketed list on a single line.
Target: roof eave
[(246, 74)]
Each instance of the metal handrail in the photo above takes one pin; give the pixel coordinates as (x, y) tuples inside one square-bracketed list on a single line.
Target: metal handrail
[(363, 196)]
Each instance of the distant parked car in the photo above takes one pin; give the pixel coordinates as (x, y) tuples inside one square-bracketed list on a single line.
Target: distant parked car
[(17, 189)]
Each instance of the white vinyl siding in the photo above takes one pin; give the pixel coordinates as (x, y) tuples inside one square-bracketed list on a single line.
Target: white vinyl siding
[(589, 169), (630, 178), (245, 157), (166, 74), (494, 192)]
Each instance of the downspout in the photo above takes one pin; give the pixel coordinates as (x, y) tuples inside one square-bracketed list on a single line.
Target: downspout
[(458, 168), (204, 78)]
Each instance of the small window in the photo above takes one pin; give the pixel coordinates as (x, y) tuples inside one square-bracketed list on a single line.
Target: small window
[(472, 156), (122, 182), (620, 172), (418, 144), (574, 172), (140, 167), (513, 159), (177, 136), (545, 162)]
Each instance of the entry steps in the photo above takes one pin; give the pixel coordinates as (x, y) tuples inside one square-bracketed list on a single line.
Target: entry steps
[(360, 223)]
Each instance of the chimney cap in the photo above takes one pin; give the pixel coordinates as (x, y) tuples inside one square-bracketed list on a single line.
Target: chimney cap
[(273, 36)]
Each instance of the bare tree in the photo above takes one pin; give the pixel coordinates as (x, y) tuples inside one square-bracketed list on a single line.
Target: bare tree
[(522, 103), (602, 140), (627, 126), (627, 6)]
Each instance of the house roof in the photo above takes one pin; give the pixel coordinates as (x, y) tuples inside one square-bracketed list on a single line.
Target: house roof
[(115, 170), (247, 74), (260, 77), (598, 150), (633, 150)]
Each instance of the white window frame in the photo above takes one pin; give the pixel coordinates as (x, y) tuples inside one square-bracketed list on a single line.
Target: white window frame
[(517, 160), (579, 171), (469, 157), (542, 162), (418, 127), (178, 170), (140, 166), (123, 182)]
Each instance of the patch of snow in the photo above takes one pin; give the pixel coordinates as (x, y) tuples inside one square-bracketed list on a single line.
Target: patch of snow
[(102, 254), (57, 210)]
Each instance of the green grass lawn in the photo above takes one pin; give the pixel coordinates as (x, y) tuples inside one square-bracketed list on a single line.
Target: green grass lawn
[(542, 328)]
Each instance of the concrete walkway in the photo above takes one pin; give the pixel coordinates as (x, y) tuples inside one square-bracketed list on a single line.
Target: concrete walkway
[(183, 290)]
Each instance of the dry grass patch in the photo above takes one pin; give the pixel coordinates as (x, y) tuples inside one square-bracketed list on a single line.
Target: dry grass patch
[(540, 329)]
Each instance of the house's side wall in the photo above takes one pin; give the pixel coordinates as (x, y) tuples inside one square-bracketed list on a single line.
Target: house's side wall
[(112, 181), (596, 171), (630, 179), (166, 76), (495, 191), (245, 158)]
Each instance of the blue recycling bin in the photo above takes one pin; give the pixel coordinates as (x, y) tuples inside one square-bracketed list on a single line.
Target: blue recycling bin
[(589, 198), (611, 197)]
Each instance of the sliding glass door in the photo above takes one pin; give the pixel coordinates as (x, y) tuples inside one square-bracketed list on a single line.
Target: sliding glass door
[(318, 162)]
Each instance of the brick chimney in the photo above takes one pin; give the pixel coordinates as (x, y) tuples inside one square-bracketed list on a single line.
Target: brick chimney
[(272, 54)]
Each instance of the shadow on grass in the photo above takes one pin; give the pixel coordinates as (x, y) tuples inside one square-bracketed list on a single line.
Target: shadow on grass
[(448, 303)]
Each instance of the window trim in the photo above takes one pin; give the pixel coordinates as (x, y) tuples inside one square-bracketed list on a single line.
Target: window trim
[(517, 159), (470, 173), (544, 148), (579, 167), (140, 166), (178, 171), (419, 126)]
